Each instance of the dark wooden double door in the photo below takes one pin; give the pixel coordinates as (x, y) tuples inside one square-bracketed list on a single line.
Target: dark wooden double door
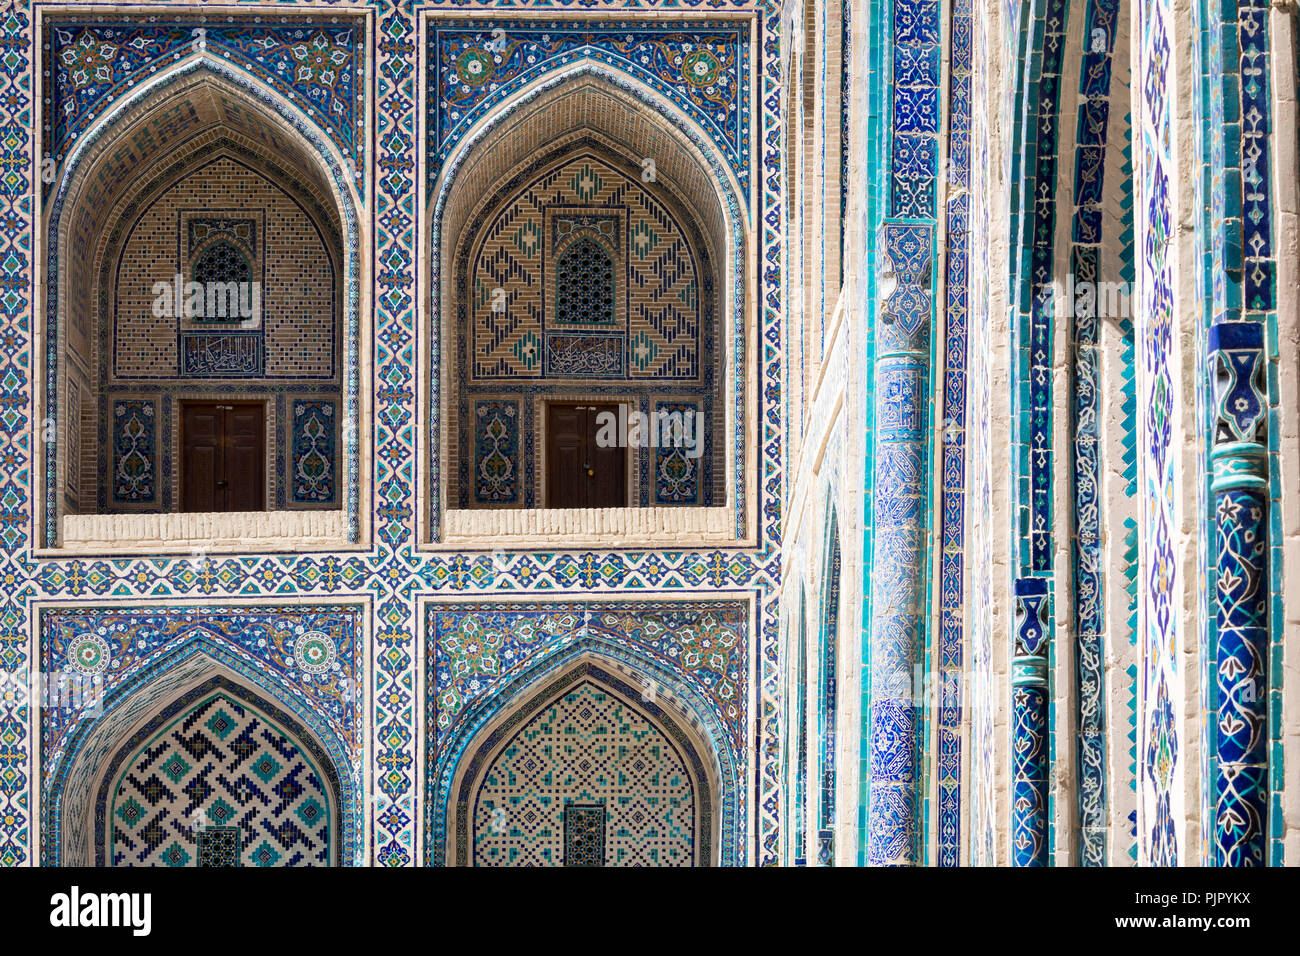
[(580, 473), (223, 456)]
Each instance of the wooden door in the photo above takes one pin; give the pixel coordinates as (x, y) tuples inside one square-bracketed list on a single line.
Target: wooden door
[(579, 473), (223, 456)]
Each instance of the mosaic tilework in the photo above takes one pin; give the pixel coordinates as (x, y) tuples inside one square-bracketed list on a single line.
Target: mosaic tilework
[(1241, 491), (221, 75), (315, 451), (135, 452), (482, 654), (898, 571), (1101, 18), (135, 638), (390, 572), (900, 465), (219, 764), (1029, 746), (589, 747), (1040, 50), (313, 64), (584, 835), (496, 452), (658, 276), (1037, 305), (1159, 745), (957, 281), (701, 67), (304, 656), (677, 475), (74, 439), (1237, 285), (220, 847)]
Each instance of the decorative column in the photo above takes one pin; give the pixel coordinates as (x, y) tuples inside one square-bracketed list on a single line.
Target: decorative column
[(1239, 461), (1029, 763), (899, 516)]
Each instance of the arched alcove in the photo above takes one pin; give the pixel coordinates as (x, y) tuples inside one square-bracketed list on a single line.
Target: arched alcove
[(586, 769), (521, 385), (214, 780), (202, 312), (249, 755)]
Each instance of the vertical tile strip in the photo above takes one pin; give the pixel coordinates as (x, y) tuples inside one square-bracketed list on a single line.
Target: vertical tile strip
[(1240, 486), (901, 460), (1029, 763), (952, 559)]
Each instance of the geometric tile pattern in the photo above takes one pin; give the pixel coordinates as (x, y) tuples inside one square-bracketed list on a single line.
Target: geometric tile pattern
[(957, 282), (272, 640), (220, 765), (584, 836), (900, 466), (660, 327), (486, 656), (473, 649), (593, 749)]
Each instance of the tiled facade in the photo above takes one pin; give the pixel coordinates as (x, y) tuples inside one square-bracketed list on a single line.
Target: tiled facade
[(1000, 580)]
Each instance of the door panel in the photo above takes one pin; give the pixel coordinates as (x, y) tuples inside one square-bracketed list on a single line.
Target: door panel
[(245, 465), (579, 473), (223, 456)]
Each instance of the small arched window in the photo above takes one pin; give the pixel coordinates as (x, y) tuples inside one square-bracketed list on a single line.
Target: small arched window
[(584, 285), (222, 262)]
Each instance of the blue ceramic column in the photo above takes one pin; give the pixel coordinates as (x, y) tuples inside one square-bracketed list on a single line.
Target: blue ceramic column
[(1029, 763), (1239, 460), (898, 593)]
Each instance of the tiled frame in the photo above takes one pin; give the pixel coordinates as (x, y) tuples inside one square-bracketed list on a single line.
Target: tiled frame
[(727, 165), (117, 100)]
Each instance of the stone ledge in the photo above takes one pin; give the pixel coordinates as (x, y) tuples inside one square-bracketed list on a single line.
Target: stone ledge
[(228, 531), (566, 528)]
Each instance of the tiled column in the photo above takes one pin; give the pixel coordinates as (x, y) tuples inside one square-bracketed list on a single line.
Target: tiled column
[(901, 466), (1029, 763), (1239, 460), (898, 594)]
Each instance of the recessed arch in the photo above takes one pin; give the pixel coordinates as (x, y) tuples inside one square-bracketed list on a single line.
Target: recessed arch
[(193, 104), (669, 781), (215, 779), (630, 116), (681, 713), (79, 768)]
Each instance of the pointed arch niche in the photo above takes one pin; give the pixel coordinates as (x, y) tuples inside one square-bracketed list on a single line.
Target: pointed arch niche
[(584, 768), (588, 248), (194, 745), (202, 174)]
